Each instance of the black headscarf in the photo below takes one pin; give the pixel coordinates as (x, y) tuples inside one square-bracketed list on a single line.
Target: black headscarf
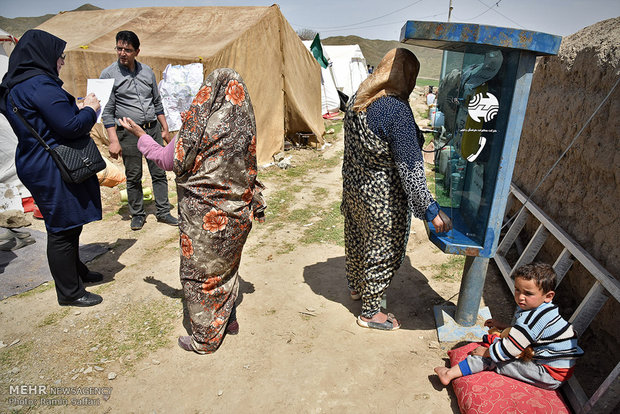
[(36, 53)]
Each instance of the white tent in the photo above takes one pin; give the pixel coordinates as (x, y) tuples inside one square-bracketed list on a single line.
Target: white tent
[(11, 188), (7, 43), (348, 66), (330, 102)]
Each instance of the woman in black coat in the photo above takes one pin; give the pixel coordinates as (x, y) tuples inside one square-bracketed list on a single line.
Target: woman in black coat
[(33, 86)]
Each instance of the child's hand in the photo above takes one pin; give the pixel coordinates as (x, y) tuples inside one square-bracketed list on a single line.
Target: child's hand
[(480, 351), (494, 323)]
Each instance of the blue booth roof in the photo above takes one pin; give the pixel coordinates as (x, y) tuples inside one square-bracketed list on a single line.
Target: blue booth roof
[(458, 36)]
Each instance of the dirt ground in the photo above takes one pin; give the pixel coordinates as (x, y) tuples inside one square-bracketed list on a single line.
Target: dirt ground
[(298, 350)]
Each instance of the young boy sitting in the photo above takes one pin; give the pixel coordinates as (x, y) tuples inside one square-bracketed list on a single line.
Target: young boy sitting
[(539, 325)]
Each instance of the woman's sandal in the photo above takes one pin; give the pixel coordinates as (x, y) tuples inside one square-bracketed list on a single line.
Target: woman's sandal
[(232, 328), (186, 343), (355, 295), (388, 325)]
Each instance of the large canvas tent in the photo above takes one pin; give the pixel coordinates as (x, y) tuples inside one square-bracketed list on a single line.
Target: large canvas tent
[(348, 66), (282, 77)]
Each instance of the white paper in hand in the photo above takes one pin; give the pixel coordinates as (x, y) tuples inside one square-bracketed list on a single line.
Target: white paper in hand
[(102, 88)]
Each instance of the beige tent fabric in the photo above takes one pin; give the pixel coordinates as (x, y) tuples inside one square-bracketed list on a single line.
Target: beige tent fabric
[(282, 77), (300, 110)]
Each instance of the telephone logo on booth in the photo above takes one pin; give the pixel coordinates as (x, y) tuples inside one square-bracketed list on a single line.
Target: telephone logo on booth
[(483, 108)]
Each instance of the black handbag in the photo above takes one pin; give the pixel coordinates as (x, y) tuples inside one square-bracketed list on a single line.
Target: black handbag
[(77, 162)]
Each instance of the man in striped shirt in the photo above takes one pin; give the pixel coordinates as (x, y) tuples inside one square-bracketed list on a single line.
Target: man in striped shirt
[(539, 326)]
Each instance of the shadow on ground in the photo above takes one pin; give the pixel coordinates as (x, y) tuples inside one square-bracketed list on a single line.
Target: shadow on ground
[(498, 296), (108, 264), (27, 268), (167, 290), (410, 298)]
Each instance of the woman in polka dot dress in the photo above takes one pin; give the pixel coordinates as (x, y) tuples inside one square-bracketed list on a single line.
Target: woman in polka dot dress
[(383, 183)]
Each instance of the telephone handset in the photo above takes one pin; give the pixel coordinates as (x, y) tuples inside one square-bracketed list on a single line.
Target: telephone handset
[(481, 143)]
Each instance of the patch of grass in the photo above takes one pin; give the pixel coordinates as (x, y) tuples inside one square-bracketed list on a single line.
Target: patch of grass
[(137, 329), (442, 192), (428, 137), (330, 229), (336, 126), (110, 214), (333, 161), (253, 251), (14, 355), (422, 114), (170, 241), (315, 164), (298, 172), (430, 179), (278, 213), (39, 289), (99, 289), (294, 181), (53, 317), (426, 82), (285, 248), (451, 271), (268, 173), (320, 193), (277, 204), (301, 215), (431, 186), (295, 172), (278, 225)]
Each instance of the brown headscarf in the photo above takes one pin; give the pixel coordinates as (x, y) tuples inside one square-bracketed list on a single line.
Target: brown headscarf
[(394, 76)]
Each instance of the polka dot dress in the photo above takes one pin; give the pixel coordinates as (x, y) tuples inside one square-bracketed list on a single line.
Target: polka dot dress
[(383, 183)]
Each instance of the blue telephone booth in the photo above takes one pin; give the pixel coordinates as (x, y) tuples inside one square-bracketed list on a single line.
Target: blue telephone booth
[(483, 91)]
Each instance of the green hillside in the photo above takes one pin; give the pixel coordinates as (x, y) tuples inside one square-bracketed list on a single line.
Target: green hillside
[(374, 50), (19, 25)]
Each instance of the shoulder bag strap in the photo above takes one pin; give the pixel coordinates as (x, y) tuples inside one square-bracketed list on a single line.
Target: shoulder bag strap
[(32, 131)]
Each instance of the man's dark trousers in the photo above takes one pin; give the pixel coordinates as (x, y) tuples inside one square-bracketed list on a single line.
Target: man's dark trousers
[(132, 158)]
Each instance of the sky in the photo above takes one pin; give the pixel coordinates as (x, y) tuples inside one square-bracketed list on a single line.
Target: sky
[(378, 19)]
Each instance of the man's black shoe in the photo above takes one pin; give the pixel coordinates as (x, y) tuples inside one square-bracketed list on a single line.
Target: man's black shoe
[(137, 222), (89, 299), (92, 277), (168, 219)]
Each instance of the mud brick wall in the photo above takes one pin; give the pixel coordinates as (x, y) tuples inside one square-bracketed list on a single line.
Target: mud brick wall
[(581, 194)]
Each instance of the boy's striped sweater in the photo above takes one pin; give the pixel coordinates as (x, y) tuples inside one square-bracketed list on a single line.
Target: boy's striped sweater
[(553, 339)]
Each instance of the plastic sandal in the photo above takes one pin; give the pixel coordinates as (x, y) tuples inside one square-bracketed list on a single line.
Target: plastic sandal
[(388, 325)]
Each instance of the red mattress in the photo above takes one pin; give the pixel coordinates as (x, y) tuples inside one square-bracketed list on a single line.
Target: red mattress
[(488, 392)]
